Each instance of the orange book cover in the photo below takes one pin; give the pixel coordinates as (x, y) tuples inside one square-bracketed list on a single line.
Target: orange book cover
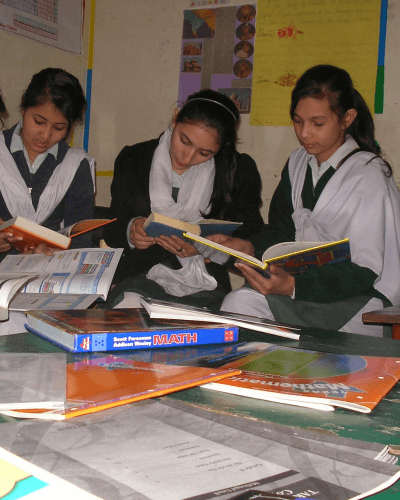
[(102, 383), (87, 225), (32, 240), (313, 379)]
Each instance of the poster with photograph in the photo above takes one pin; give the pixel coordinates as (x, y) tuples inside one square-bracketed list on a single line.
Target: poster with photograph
[(217, 52)]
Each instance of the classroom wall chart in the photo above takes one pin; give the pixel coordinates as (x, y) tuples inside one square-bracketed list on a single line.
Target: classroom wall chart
[(295, 35), (217, 52), (54, 22)]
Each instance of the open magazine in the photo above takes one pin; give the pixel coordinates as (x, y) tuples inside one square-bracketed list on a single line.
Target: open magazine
[(85, 271)]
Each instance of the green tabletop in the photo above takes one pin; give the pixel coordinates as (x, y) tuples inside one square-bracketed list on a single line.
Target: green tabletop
[(382, 425)]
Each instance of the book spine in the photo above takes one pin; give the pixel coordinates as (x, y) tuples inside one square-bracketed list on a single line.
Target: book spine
[(161, 338)]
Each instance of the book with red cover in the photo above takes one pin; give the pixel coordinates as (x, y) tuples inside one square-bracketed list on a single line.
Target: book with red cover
[(102, 383), (313, 379)]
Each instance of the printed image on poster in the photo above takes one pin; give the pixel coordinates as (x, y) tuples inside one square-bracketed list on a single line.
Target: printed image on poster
[(217, 52)]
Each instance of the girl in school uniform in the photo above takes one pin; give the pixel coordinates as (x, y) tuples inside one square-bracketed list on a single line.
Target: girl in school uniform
[(42, 178), (335, 186), (192, 171)]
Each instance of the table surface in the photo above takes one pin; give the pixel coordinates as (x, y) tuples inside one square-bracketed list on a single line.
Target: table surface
[(382, 425)]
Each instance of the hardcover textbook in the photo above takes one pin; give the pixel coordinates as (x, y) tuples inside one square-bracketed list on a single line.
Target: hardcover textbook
[(87, 330), (313, 379), (294, 256), (98, 384), (33, 234), (161, 225)]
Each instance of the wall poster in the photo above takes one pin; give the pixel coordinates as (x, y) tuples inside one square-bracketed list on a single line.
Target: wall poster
[(217, 52)]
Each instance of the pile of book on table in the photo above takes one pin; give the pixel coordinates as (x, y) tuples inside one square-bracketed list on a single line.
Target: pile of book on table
[(151, 357)]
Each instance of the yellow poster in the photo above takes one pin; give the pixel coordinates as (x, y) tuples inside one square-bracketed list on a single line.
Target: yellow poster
[(293, 35)]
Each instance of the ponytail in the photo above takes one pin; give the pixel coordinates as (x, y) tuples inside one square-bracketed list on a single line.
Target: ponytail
[(335, 84)]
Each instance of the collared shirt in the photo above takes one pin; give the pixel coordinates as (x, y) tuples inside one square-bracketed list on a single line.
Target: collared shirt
[(319, 170), (18, 145)]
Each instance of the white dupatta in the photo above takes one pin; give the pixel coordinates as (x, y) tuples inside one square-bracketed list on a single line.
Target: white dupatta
[(16, 194), (360, 203), (193, 200)]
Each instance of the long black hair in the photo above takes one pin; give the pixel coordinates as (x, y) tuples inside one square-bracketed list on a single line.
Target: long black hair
[(3, 111), (218, 112), (335, 84), (60, 88)]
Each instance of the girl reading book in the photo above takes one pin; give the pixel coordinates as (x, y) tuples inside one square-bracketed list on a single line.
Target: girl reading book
[(192, 171), (43, 179), (335, 186)]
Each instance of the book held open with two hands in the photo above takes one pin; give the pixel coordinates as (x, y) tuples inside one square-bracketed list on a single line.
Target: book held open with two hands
[(162, 225), (33, 234), (294, 256)]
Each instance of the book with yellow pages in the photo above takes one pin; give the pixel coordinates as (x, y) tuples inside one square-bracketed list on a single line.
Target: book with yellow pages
[(98, 384), (162, 225), (294, 256), (33, 234)]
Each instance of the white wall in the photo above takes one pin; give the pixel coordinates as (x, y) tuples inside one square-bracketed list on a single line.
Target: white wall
[(135, 85)]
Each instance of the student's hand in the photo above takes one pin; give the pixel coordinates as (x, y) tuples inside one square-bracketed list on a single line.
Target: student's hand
[(138, 235), (279, 283), (6, 239), (177, 246), (42, 248), (234, 243)]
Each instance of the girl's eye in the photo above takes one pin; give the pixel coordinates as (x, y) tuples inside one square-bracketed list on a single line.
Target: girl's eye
[(205, 154), (60, 129), (319, 124), (38, 122)]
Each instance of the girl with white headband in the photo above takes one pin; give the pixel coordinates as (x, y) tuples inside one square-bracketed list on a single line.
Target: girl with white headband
[(192, 171)]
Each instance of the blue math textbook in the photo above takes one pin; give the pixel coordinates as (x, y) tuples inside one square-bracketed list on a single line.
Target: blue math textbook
[(88, 330)]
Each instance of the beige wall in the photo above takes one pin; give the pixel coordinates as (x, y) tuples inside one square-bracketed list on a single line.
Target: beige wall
[(135, 85)]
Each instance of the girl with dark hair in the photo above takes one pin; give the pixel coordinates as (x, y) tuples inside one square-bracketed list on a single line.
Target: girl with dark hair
[(43, 179), (192, 171), (335, 186)]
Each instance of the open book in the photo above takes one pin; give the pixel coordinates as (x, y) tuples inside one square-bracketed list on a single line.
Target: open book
[(294, 256), (312, 379), (87, 271), (167, 310), (33, 234), (161, 225)]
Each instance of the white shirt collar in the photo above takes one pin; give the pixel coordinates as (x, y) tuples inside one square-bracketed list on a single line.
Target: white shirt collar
[(333, 161), (18, 145)]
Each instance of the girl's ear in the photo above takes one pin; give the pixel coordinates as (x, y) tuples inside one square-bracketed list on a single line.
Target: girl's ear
[(173, 122), (348, 118)]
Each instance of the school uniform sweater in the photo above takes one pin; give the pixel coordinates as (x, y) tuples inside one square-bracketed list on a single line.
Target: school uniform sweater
[(323, 284), (76, 205), (131, 198)]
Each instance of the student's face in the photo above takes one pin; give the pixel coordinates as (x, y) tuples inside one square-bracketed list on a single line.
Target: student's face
[(318, 128), (42, 127), (192, 144)]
